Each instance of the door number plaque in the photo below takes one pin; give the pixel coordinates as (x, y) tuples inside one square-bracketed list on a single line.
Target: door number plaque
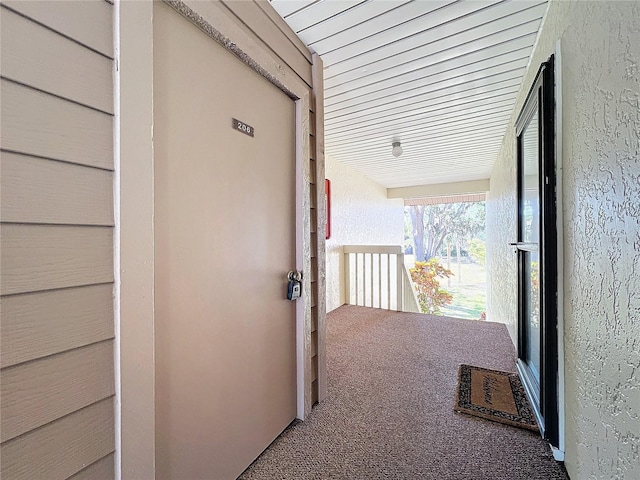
[(242, 127)]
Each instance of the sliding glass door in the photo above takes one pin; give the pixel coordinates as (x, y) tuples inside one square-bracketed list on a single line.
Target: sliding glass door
[(536, 252)]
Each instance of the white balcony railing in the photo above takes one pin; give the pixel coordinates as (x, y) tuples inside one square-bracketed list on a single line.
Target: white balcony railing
[(375, 276)]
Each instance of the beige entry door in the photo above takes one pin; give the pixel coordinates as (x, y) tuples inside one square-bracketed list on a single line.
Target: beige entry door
[(224, 242)]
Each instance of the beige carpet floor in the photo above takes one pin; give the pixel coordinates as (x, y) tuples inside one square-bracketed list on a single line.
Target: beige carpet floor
[(389, 411)]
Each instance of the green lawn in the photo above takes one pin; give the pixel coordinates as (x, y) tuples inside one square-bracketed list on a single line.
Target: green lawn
[(468, 285), (469, 290)]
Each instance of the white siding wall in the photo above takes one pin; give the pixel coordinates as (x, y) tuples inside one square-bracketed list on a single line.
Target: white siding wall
[(601, 144), (361, 214), (56, 287)]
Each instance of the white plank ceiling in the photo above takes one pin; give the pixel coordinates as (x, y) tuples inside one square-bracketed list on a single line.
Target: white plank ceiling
[(440, 76)]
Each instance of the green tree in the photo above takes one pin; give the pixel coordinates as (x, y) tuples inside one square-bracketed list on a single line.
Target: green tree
[(477, 250), (430, 296), (431, 225)]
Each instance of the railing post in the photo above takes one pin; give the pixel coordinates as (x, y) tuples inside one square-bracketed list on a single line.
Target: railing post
[(379, 280), (400, 282), (371, 273), (357, 275), (347, 278), (388, 281)]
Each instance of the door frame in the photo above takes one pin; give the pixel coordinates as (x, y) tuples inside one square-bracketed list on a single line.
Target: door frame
[(545, 402), (134, 203)]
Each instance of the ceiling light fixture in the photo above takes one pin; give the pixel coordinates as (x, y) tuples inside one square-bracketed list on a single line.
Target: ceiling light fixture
[(397, 149)]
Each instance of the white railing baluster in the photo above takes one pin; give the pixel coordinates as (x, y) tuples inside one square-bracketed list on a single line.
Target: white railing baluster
[(347, 276), (399, 284), (371, 274), (379, 281), (357, 276), (388, 281), (364, 280)]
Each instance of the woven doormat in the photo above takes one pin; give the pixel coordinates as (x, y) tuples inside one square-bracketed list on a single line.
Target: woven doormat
[(494, 395)]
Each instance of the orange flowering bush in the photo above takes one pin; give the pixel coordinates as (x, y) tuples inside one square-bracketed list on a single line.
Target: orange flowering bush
[(425, 277)]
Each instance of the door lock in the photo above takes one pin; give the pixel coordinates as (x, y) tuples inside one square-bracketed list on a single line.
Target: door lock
[(294, 288)]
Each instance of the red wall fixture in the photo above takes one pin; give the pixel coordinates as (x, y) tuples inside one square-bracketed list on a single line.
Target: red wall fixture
[(327, 197)]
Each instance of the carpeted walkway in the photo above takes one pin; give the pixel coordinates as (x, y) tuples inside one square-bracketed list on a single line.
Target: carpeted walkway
[(389, 411)]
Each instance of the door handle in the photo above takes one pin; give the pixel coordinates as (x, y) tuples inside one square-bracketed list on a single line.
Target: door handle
[(529, 246)]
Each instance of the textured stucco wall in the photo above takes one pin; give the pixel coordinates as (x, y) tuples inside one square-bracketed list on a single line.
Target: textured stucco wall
[(601, 55), (361, 214), (601, 183)]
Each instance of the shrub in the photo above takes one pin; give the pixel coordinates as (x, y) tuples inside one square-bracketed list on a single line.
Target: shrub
[(430, 296)]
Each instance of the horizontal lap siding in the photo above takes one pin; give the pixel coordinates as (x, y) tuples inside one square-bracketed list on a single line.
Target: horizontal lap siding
[(56, 235), (63, 447), (69, 65), (103, 469), (40, 324), (90, 22), (36, 393), (46, 257), (43, 125), (57, 192)]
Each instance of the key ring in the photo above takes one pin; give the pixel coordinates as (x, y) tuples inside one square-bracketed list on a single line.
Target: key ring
[(294, 276)]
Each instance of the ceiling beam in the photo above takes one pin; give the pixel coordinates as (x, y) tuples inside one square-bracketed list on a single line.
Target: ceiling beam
[(438, 189)]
